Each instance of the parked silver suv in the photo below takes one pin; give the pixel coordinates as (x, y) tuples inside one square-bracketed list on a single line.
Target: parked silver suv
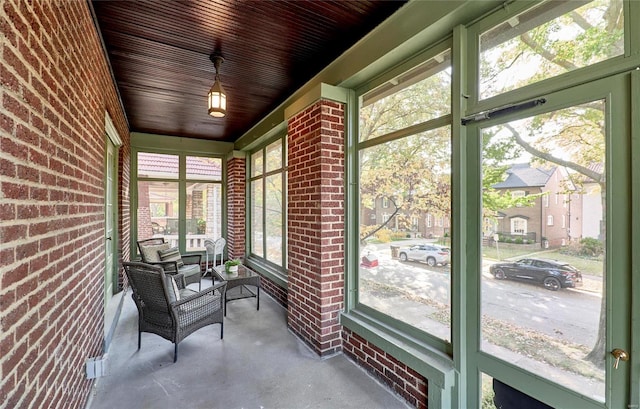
[(431, 253)]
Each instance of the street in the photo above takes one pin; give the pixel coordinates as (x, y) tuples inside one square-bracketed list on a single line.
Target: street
[(568, 314)]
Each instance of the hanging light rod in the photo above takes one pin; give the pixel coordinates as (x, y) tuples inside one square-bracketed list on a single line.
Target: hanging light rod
[(217, 99)]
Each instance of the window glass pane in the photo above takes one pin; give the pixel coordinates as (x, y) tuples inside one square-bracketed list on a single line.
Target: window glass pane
[(404, 270), (156, 165), (274, 156), (273, 218), (541, 297), (416, 96), (550, 39), (256, 163), (257, 236), (204, 214), (158, 210), (202, 168)]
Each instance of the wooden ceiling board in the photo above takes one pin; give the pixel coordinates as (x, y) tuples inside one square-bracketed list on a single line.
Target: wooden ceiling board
[(159, 52)]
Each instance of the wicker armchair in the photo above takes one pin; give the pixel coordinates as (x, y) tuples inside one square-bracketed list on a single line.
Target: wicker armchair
[(168, 309), (155, 251)]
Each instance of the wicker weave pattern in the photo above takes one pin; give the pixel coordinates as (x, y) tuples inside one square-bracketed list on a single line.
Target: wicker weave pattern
[(173, 321)]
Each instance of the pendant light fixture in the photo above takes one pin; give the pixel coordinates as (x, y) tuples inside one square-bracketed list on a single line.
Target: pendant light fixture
[(217, 99)]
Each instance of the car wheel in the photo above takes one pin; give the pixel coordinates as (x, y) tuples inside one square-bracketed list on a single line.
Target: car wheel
[(431, 261), (552, 283), (403, 256), (499, 274)]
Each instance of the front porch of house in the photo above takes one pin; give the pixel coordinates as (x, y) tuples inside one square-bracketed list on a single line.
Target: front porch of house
[(230, 373)]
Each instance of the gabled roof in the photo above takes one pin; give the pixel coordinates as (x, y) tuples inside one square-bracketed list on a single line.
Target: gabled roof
[(523, 175)]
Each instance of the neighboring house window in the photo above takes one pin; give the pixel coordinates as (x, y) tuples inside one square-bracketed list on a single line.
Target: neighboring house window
[(550, 220), (564, 221), (518, 225), (385, 217), (267, 203), (385, 203), (545, 200), (516, 194), (414, 223), (160, 195), (556, 196), (440, 221), (429, 221)]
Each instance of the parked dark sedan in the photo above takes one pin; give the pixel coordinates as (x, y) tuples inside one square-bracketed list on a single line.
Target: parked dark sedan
[(552, 274)]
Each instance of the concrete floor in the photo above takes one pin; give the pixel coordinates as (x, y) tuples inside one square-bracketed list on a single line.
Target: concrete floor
[(259, 364)]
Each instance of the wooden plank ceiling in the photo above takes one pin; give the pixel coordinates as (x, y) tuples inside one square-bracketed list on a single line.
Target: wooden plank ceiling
[(159, 51)]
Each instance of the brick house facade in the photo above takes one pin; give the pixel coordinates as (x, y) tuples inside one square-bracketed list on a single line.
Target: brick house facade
[(56, 88), (555, 215)]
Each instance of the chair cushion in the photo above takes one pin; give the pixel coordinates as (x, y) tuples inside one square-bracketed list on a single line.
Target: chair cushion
[(172, 254), (172, 288), (189, 270), (150, 253)]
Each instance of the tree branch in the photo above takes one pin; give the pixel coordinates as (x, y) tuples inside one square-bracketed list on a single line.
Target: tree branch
[(362, 239), (598, 177), (546, 54)]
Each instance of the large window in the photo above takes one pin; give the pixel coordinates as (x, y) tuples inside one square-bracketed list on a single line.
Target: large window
[(179, 198), (530, 160), (405, 162), (267, 205), (547, 40), (550, 331)]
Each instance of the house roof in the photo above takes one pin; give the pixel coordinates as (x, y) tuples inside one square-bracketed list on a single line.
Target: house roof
[(523, 175), (162, 165)]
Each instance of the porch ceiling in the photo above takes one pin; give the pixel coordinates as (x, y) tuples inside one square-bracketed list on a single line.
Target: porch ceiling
[(159, 52)]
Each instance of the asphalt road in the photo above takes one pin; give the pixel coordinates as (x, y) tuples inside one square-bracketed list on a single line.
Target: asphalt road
[(568, 314)]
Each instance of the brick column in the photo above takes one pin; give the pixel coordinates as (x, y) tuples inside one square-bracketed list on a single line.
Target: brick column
[(316, 224), (236, 172)]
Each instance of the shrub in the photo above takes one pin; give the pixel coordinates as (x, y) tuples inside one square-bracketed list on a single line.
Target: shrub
[(591, 247), (384, 235), (587, 247), (518, 240)]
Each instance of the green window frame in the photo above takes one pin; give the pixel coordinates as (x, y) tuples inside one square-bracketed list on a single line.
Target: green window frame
[(187, 174), (266, 200), (454, 370)]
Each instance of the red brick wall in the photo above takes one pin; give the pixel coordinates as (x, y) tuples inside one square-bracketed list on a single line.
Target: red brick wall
[(403, 380), (236, 214), (316, 224), (55, 89), (275, 291)]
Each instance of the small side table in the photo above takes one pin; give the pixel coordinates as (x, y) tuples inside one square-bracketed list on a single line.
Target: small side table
[(243, 278)]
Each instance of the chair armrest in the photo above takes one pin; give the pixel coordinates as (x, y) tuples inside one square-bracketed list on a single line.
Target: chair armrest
[(200, 302), (191, 258), (169, 267), (221, 287)]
